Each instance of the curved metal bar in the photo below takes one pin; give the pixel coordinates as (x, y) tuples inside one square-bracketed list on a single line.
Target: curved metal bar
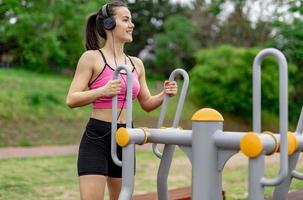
[(299, 130), (297, 175), (114, 111), (283, 105), (281, 191), (179, 106), (169, 149)]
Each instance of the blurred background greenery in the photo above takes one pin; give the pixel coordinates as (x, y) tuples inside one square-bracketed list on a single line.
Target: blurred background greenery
[(214, 40)]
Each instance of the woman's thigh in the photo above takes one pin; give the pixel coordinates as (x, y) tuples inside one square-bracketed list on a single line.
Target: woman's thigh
[(92, 187)]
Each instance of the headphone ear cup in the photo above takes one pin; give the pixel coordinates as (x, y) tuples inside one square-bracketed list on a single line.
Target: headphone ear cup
[(109, 23)]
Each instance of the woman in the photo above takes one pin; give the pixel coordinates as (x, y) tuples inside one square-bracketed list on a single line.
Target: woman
[(95, 70)]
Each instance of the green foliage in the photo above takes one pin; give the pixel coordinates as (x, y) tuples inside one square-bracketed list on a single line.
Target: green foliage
[(289, 38), (149, 17), (176, 46), (222, 79), (46, 34)]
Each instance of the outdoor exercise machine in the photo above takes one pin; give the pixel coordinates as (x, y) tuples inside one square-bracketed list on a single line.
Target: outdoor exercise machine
[(207, 146), (281, 190)]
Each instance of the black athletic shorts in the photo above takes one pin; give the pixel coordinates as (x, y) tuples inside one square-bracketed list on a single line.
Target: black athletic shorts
[(94, 156)]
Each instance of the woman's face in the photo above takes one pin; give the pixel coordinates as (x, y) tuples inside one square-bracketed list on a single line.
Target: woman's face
[(124, 26)]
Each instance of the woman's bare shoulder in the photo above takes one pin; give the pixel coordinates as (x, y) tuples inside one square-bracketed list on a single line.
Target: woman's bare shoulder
[(90, 55), (90, 58), (138, 63)]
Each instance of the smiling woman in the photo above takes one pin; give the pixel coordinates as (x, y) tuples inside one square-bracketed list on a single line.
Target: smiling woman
[(93, 84)]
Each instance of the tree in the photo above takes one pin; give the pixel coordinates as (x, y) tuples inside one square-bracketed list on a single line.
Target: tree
[(204, 16), (289, 38), (175, 47), (149, 17), (217, 26), (46, 34), (238, 30)]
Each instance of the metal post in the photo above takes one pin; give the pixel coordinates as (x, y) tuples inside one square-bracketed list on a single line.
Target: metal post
[(206, 178)]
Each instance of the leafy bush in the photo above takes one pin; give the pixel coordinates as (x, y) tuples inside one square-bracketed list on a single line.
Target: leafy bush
[(222, 79)]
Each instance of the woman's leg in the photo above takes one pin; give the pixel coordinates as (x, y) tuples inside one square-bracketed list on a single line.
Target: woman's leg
[(92, 187), (114, 187)]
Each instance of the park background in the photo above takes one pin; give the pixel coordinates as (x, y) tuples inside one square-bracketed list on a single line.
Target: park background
[(215, 41)]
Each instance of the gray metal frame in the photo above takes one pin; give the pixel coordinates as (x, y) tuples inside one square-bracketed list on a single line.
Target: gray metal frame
[(208, 146), (281, 190), (256, 165)]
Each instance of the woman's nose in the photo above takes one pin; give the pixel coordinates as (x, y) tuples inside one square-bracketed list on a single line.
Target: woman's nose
[(132, 25)]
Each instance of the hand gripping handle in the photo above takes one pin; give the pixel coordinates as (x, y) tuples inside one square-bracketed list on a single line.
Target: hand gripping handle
[(114, 111), (283, 105), (179, 108)]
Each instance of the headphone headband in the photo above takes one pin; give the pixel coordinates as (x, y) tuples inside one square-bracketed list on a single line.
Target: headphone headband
[(105, 13), (109, 22)]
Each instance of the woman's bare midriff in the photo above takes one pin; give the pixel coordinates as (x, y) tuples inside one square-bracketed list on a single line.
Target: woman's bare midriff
[(106, 115)]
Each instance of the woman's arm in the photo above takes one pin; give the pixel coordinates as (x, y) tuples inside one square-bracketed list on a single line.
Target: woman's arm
[(146, 100), (78, 95)]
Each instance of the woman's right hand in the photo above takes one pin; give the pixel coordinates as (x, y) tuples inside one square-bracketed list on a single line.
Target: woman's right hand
[(111, 88)]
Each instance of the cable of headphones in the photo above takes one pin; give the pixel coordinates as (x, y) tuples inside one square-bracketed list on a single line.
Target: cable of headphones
[(99, 137), (113, 39)]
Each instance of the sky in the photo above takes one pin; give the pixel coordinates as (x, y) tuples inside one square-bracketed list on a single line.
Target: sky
[(182, 1), (255, 10)]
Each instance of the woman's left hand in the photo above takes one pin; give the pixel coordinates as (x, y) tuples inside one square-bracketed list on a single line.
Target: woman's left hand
[(170, 88)]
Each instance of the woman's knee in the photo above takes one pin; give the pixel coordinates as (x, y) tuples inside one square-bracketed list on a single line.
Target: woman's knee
[(92, 187)]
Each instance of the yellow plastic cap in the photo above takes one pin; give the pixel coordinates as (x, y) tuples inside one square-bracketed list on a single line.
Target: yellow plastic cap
[(292, 143), (122, 137), (207, 115), (251, 145)]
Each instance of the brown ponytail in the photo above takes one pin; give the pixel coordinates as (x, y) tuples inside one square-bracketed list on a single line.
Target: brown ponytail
[(94, 26), (91, 36)]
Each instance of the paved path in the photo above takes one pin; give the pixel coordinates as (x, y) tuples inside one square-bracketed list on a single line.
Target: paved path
[(297, 195), (20, 152), (17, 152)]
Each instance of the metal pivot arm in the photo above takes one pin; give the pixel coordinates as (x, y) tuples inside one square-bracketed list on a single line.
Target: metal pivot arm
[(114, 111), (169, 149), (281, 191), (283, 105), (299, 130), (179, 108)]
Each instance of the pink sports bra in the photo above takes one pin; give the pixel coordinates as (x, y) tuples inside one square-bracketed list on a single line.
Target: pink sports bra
[(106, 75)]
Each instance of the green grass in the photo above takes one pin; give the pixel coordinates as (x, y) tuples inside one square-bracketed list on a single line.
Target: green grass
[(55, 177), (32, 109)]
